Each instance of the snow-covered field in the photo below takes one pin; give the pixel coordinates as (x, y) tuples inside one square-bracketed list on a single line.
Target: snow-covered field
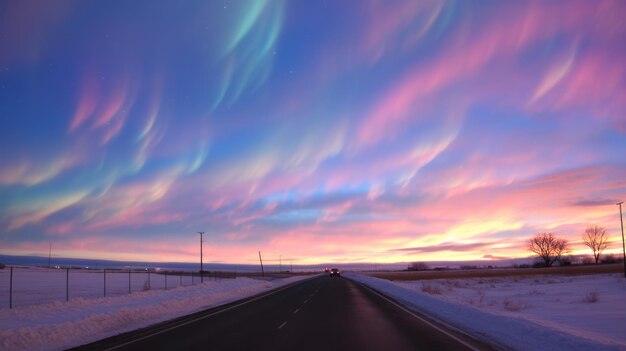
[(524, 313), (59, 325), (36, 285), (549, 312)]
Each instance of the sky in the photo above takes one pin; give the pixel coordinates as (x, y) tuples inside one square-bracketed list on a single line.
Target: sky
[(312, 131)]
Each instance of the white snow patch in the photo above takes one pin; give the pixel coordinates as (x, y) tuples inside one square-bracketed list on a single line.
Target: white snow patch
[(523, 313), (61, 325)]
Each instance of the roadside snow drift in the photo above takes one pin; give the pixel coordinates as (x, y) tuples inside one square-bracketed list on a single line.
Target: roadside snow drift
[(60, 325), (524, 313)]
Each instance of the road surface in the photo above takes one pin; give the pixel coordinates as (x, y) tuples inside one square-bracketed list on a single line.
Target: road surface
[(322, 313)]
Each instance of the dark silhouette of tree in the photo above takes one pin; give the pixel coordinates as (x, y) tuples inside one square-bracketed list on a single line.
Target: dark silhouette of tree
[(596, 238), (548, 247)]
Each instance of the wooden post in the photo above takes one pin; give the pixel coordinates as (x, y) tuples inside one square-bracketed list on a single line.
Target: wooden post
[(11, 289), (67, 284), (201, 269)]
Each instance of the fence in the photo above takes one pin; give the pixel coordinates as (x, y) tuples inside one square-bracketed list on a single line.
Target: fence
[(22, 286)]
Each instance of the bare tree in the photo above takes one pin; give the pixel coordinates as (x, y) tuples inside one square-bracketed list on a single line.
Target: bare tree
[(548, 247), (596, 238), (417, 266)]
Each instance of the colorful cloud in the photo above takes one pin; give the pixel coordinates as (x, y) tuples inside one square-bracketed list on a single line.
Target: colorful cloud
[(355, 131)]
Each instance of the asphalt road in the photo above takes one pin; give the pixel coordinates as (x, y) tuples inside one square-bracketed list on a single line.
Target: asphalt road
[(318, 314)]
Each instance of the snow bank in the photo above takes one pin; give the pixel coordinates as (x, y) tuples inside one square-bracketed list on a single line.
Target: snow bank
[(60, 325), (509, 320)]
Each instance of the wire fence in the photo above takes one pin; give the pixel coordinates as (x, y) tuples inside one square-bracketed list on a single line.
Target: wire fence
[(23, 286)]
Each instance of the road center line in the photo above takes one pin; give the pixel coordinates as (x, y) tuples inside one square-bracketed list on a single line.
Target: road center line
[(176, 326), (282, 325), (305, 301), (296, 311)]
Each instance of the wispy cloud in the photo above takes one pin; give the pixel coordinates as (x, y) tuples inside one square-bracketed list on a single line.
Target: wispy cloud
[(425, 130)]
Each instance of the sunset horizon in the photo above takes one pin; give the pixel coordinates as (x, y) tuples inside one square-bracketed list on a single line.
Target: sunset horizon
[(312, 132)]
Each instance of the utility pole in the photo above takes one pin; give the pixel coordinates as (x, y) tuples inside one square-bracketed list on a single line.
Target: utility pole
[(261, 260), (201, 269), (621, 220)]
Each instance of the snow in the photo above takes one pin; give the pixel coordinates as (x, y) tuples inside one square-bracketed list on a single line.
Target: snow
[(522, 313), (35, 285), (59, 325)]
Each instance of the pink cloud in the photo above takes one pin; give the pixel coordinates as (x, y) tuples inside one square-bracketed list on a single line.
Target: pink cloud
[(470, 216), (545, 200), (35, 211), (468, 56), (63, 228), (106, 107), (113, 105), (596, 82), (87, 101), (30, 172), (385, 22)]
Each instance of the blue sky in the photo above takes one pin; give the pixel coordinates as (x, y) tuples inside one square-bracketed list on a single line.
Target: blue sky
[(320, 131)]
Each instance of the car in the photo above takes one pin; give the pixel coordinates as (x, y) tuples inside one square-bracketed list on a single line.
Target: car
[(335, 273)]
